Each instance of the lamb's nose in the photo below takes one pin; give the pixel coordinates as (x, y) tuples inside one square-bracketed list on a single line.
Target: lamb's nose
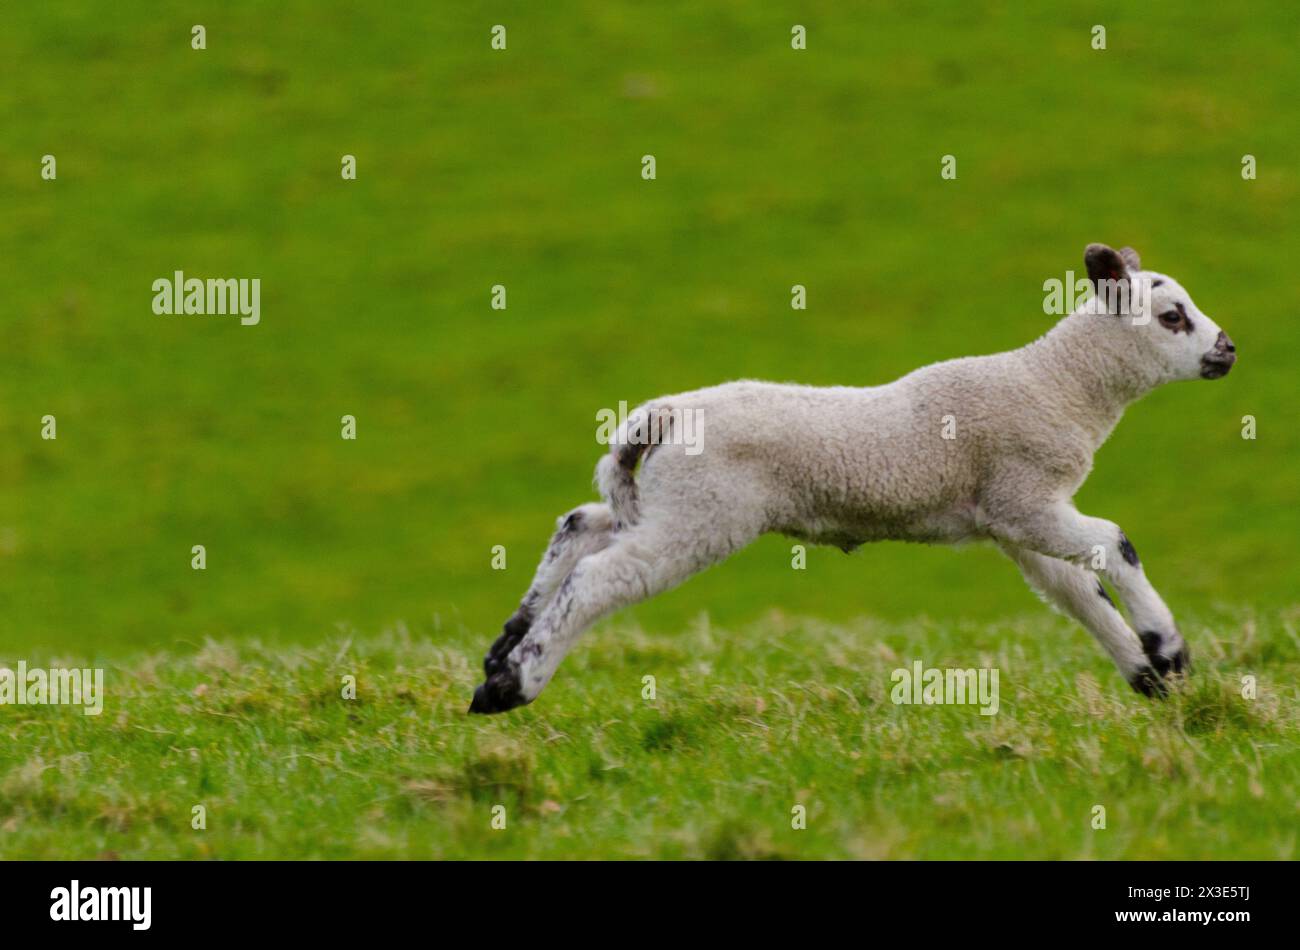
[(1224, 343)]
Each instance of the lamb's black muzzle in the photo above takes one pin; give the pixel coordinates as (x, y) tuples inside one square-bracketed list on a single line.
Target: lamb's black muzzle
[(1219, 360)]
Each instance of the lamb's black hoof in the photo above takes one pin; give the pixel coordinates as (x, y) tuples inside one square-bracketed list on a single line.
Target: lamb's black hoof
[(1149, 683), (1163, 663), (500, 693)]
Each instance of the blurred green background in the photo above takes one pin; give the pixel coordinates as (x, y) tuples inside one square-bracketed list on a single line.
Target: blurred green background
[(476, 167)]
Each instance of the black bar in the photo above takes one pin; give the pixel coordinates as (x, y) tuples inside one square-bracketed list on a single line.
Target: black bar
[(523, 901)]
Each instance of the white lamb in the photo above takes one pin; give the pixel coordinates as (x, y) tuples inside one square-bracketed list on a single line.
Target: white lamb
[(988, 447)]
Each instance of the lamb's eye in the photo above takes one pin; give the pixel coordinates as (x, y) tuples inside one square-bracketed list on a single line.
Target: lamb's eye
[(1171, 318)]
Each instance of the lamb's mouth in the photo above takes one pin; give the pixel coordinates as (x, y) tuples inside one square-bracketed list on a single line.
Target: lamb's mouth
[(1217, 367)]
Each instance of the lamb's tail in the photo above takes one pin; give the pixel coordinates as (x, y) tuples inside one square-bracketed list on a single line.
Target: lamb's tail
[(645, 427)]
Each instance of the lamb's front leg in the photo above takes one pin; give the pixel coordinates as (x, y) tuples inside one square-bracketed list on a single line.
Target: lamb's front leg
[(1098, 545), (1079, 594)]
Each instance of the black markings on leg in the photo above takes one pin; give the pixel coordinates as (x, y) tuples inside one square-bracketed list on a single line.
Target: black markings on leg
[(1101, 592), (1126, 548), (573, 524), (564, 597), (1151, 680), (511, 634), (1151, 642), (1162, 664)]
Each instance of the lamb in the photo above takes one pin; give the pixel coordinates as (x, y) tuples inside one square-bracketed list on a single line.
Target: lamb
[(977, 448)]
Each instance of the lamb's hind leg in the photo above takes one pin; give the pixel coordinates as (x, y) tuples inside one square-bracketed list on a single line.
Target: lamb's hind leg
[(584, 530), (642, 561)]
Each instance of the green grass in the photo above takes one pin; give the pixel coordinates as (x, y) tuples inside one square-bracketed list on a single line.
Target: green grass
[(745, 724), (477, 427)]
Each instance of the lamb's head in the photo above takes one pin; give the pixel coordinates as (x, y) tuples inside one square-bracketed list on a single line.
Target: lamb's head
[(1158, 316)]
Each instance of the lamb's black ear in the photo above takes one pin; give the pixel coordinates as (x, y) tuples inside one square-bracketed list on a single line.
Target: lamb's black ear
[(1131, 258), (1104, 263)]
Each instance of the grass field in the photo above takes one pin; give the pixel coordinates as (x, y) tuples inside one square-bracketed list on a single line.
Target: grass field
[(745, 725), (476, 426)]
